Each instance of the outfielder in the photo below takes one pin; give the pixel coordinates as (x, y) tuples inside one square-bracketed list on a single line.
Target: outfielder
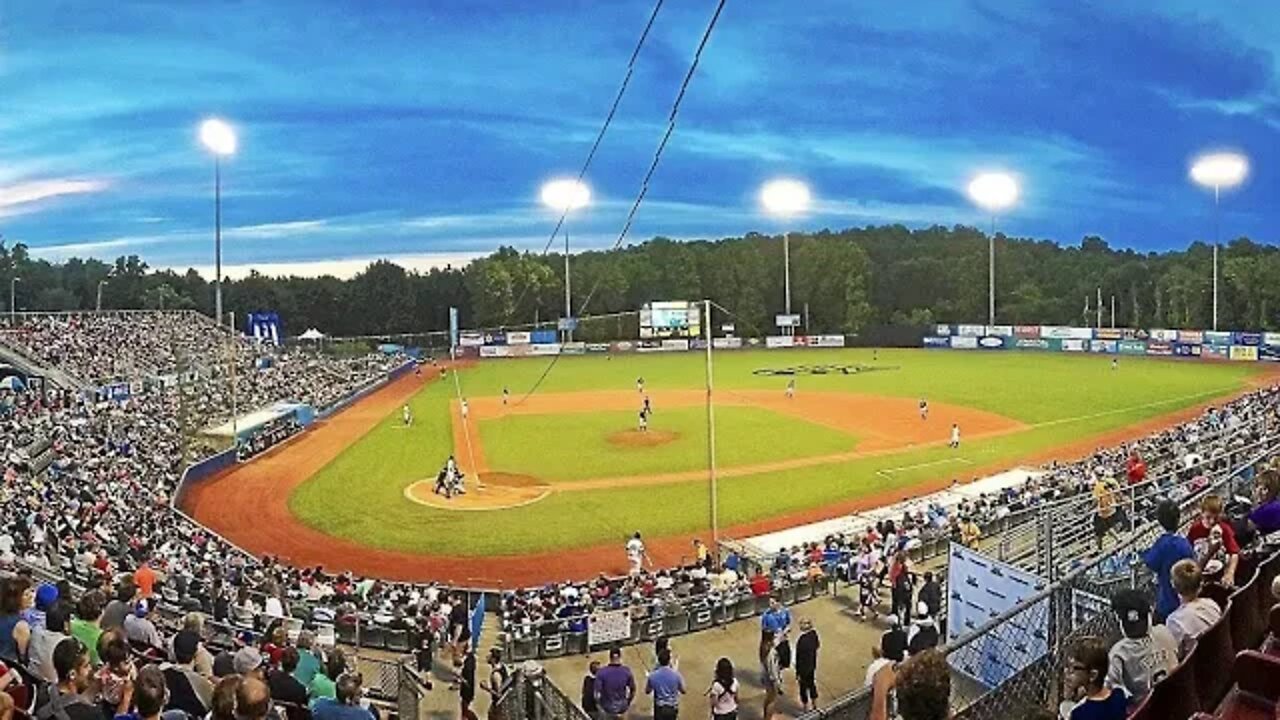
[(644, 421), (408, 416), (640, 385), (955, 436), (791, 388)]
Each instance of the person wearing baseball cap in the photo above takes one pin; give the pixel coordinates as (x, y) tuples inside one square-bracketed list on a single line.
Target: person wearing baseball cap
[(1146, 653), (247, 660)]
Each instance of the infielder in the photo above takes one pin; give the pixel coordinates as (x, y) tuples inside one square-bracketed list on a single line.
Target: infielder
[(644, 421), (924, 409), (791, 388), (955, 436), (640, 385), (647, 408), (505, 394)]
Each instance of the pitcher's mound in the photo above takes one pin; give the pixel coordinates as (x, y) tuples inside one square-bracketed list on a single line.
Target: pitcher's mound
[(638, 439), (501, 490)]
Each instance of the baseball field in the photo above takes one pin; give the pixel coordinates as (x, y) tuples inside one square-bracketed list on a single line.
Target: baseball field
[(564, 474)]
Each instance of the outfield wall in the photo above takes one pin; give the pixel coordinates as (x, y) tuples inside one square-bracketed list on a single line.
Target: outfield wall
[(1159, 342)]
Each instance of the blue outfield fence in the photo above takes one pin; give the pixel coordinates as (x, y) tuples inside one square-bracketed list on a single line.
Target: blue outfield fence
[(1158, 342)]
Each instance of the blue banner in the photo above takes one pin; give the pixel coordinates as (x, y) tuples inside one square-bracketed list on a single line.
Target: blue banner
[(264, 327), (542, 337), (937, 342), (477, 621)]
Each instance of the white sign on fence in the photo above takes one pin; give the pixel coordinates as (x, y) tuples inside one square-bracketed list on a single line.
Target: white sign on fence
[(608, 626)]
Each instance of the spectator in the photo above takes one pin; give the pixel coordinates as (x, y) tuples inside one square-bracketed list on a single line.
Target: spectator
[(1160, 558), (150, 698), (1089, 696), (144, 578), (970, 533), (615, 687), (467, 682), (900, 586), (223, 706), (666, 686), (120, 606), (44, 639), (253, 699), (724, 692), (139, 629), (931, 594), (770, 673), (499, 674), (924, 631), (308, 661), (777, 621), (346, 706), (923, 687), (117, 671), (893, 643), (1214, 541), (189, 691), (588, 702), (248, 662), (85, 627), (807, 664), (881, 679), (193, 622), (1145, 653), (324, 684), (1265, 516), (1196, 614), (15, 633), (6, 706), (66, 700)]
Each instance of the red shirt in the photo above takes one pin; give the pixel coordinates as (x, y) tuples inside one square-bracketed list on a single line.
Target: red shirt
[(760, 585), (1137, 470), (1199, 532), (145, 578)]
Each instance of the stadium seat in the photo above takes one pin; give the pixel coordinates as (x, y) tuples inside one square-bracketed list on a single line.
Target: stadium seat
[(373, 636), (1247, 622), (1271, 645), (1172, 698), (1257, 688), (346, 633), (325, 636), (1216, 593), (398, 640), (1212, 658), (293, 628)]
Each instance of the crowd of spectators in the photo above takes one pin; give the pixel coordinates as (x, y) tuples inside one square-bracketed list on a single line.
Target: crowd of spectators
[(269, 435)]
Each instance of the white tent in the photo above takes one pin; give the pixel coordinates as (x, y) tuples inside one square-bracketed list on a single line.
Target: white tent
[(12, 382), (312, 334)]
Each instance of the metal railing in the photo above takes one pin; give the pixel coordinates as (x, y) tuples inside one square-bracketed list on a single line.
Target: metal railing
[(530, 695)]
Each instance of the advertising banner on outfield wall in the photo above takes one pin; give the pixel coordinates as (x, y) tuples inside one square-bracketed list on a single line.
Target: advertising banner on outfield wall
[(1182, 349), (964, 343), (1026, 331), (1104, 346), (519, 338), (1108, 334), (674, 345), (726, 343), (622, 346), (1215, 352), (1133, 347), (1024, 343), (542, 337), (1000, 330), (827, 341), (544, 349), (497, 337), (971, 330), (1066, 333), (942, 329), (495, 351), (1244, 352), (1269, 353), (470, 338), (1166, 336), (779, 341), (1159, 348), (1271, 339), (1191, 337), (1217, 337), (574, 348), (991, 343), (932, 341), (1074, 344), (597, 347), (1247, 338)]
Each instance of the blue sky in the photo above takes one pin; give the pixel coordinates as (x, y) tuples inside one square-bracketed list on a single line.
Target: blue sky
[(422, 131)]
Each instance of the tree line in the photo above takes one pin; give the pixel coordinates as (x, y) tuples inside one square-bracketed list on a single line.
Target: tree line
[(847, 280)]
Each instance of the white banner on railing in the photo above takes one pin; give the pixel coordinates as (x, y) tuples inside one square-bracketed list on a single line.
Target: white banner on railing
[(982, 588), (608, 626)]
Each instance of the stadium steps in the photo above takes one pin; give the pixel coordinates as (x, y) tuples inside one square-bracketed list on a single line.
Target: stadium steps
[(12, 356)]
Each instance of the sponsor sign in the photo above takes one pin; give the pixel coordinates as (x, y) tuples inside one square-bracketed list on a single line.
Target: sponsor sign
[(519, 338), (826, 341), (542, 336), (1066, 333), (971, 330), (574, 348), (728, 328), (981, 588), (1182, 349), (786, 320), (1244, 352), (1191, 337), (1104, 346), (1074, 344), (942, 330), (608, 626), (495, 338), (1215, 352), (470, 338), (1159, 348), (1000, 330), (1271, 339), (623, 346), (1269, 353), (567, 323), (779, 341), (495, 351), (1167, 336), (937, 342), (698, 344), (1217, 337), (990, 343), (597, 347), (1026, 331), (1248, 338), (1026, 343), (1133, 347), (681, 344), (545, 349), (964, 343), (1108, 333), (726, 343)]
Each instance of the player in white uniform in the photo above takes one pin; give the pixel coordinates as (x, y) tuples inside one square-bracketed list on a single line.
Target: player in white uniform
[(644, 421), (505, 394), (636, 554), (464, 409), (955, 436), (791, 388), (640, 385), (924, 409), (408, 416)]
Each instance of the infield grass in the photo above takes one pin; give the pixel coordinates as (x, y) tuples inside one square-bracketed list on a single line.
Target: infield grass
[(1062, 398)]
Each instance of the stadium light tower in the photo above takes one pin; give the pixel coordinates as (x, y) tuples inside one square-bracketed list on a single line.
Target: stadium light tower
[(1218, 171), (785, 199), (994, 192), (565, 196), (13, 300), (220, 139)]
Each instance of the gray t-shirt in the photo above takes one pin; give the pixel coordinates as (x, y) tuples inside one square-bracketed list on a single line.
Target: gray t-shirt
[(1190, 621), (1137, 664)]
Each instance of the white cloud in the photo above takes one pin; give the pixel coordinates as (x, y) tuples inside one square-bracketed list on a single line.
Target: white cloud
[(24, 196)]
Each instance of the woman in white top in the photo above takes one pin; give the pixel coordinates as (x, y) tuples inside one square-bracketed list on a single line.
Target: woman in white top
[(724, 692)]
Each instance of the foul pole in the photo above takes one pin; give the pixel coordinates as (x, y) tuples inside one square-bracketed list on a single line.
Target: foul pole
[(711, 430)]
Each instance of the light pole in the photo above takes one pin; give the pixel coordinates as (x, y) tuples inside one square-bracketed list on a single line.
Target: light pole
[(219, 139), (1218, 171), (565, 196), (13, 300), (785, 199), (993, 192), (97, 306)]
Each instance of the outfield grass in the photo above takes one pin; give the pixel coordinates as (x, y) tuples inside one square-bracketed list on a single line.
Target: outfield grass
[(1062, 398), (575, 446)]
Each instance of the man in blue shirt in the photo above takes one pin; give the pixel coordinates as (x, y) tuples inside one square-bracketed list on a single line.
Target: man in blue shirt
[(777, 620), (1168, 549), (666, 686), (615, 687), (346, 706)]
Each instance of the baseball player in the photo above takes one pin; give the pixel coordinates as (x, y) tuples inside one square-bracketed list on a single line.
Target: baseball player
[(506, 394), (1115, 363), (644, 421), (636, 554), (955, 436), (791, 388), (648, 409), (408, 416), (465, 410), (924, 409), (640, 385)]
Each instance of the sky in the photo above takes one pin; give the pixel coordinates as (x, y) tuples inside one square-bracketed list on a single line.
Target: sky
[(422, 131)]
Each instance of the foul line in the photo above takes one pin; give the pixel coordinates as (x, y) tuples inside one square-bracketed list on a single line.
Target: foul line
[(889, 471)]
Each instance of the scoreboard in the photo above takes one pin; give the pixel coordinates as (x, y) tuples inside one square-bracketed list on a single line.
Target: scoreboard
[(670, 319)]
